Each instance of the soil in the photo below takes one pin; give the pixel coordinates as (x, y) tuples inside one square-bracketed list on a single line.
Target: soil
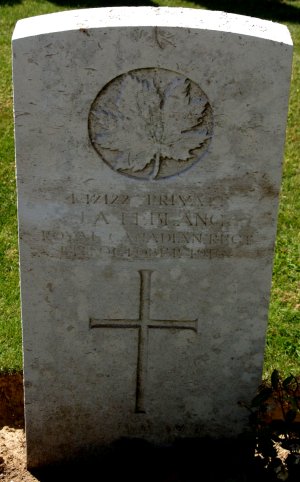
[(136, 460), (12, 437)]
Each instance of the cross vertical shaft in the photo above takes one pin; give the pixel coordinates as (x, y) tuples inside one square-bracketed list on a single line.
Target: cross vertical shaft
[(144, 318)]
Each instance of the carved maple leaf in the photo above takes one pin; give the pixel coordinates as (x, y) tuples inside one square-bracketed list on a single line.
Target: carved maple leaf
[(146, 119)]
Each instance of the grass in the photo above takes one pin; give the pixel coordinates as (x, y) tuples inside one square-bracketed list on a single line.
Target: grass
[(282, 347)]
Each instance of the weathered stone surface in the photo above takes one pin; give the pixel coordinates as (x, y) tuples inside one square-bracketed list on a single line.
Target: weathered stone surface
[(149, 145)]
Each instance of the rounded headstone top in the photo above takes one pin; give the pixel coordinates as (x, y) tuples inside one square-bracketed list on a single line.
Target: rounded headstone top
[(108, 17)]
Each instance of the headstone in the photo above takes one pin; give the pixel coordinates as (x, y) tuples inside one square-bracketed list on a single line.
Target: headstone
[(149, 146)]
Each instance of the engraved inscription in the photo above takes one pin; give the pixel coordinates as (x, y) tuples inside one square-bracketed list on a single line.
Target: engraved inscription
[(151, 123), (143, 323), (149, 225)]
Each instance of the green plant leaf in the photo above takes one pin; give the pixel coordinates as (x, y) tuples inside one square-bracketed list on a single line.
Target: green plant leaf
[(287, 381), (262, 396), (275, 379)]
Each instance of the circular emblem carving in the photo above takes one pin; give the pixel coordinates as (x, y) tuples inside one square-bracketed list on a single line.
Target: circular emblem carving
[(151, 123)]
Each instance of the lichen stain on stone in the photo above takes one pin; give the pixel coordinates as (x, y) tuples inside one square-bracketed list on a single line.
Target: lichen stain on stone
[(85, 31), (267, 188)]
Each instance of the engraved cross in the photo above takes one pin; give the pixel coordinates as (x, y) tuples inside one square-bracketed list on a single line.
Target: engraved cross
[(143, 323)]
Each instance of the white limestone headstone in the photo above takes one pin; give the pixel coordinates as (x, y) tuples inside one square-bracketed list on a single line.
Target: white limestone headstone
[(149, 147)]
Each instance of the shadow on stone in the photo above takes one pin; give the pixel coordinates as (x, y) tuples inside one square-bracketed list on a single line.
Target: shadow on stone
[(186, 460)]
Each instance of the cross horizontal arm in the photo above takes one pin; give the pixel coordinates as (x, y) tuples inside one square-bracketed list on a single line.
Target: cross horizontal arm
[(177, 324), (114, 323)]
